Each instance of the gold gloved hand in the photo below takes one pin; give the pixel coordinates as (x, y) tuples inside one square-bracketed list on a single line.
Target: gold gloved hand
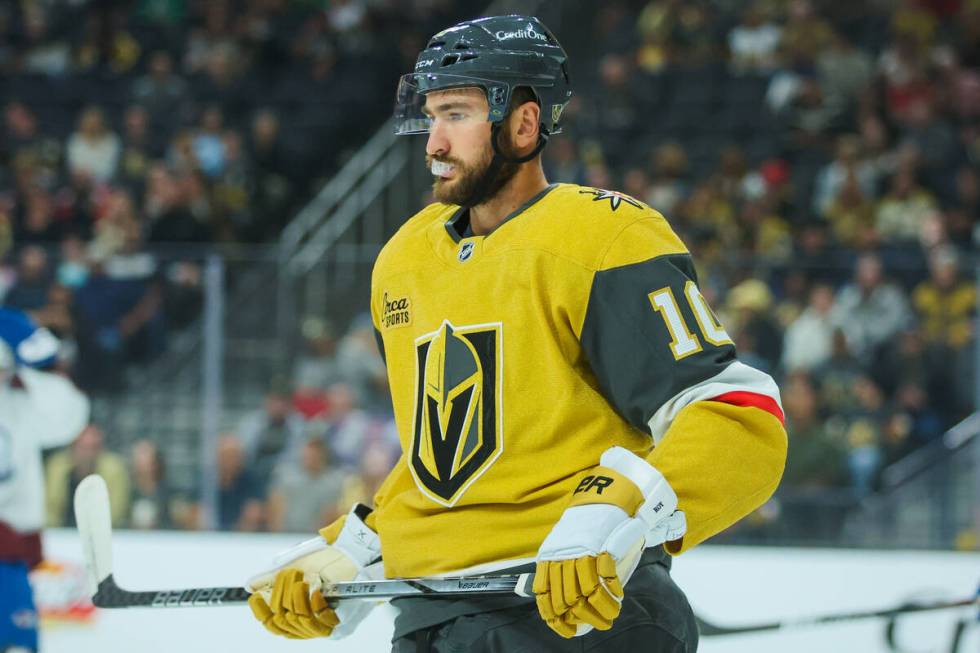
[(617, 509), (287, 599), (293, 611)]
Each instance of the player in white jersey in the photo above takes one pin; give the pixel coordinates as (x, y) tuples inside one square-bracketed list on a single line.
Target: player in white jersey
[(38, 410)]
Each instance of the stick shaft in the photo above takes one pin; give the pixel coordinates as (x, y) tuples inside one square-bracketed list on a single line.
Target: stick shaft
[(110, 595)]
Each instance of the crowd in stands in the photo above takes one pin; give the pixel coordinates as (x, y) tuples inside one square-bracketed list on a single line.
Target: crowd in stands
[(323, 439), (137, 134), (821, 160)]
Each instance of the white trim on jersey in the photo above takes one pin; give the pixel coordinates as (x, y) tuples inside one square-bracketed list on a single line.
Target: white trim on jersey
[(737, 377)]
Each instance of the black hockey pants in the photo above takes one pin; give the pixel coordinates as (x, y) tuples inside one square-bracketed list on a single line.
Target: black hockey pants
[(656, 618)]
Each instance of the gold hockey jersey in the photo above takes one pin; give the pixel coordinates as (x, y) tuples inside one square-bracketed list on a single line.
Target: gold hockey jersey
[(515, 359)]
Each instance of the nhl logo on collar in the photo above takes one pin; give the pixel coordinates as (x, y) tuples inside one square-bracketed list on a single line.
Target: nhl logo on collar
[(465, 252)]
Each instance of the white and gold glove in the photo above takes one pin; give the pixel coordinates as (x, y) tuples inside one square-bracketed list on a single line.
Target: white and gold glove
[(287, 598), (616, 510)]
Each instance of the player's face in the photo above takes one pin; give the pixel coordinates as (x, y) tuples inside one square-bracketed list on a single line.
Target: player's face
[(458, 151)]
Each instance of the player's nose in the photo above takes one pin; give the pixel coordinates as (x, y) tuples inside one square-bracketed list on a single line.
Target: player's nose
[(438, 144)]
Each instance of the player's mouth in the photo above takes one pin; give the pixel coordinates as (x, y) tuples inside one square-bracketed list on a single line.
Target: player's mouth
[(442, 169)]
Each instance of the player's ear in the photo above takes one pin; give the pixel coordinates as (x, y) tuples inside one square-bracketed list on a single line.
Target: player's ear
[(525, 125)]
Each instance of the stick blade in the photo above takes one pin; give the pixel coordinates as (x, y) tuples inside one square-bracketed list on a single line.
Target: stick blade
[(95, 528)]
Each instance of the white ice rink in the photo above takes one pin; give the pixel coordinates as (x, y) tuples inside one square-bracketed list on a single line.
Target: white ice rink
[(726, 585)]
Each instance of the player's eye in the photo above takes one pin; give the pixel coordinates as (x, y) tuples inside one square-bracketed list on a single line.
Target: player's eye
[(456, 116)]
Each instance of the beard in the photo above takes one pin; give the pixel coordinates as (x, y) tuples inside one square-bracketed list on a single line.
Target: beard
[(469, 177)]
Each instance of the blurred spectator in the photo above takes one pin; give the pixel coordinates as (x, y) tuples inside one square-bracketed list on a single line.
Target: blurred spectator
[(347, 426), (271, 435), (945, 304), (360, 365), (240, 493), (73, 269), (870, 310), (851, 214), (903, 210), (119, 310), (844, 70), (230, 192), (837, 376), (905, 66), (670, 185), (212, 33), (66, 469), (754, 42), (183, 293), (317, 366), (862, 435), (809, 116), (306, 498), (30, 289), (809, 339), (848, 164), (376, 463), (105, 44), (209, 149), (57, 316), (914, 415), (163, 94), (732, 174), (270, 194), (38, 225), (934, 140), (815, 459), (154, 503), (93, 151), (562, 161), (21, 135), (621, 104), (221, 83), (167, 210), (138, 149), (45, 52), (750, 322), (764, 233)]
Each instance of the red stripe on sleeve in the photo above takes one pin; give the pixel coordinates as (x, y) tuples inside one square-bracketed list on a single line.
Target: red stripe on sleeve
[(753, 399)]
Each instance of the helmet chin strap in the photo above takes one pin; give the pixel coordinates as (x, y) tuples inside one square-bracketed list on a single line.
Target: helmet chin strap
[(479, 193)]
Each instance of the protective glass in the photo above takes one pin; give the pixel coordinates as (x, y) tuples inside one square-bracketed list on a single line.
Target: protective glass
[(413, 87)]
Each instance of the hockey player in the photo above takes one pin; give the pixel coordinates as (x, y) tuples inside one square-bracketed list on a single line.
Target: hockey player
[(38, 410), (567, 401)]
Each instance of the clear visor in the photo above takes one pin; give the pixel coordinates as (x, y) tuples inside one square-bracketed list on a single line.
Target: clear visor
[(413, 87)]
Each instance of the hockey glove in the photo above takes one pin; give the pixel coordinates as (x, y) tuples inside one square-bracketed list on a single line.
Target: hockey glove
[(287, 598), (616, 510)]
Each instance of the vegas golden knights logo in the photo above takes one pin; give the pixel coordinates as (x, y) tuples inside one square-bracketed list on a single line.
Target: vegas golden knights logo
[(457, 431)]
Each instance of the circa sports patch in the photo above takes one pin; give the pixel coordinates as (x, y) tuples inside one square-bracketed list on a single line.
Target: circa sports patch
[(395, 311)]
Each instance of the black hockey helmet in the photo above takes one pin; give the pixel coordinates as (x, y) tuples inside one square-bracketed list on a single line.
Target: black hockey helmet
[(497, 54)]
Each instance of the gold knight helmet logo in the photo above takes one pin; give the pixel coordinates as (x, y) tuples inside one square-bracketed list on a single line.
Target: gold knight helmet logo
[(457, 434)]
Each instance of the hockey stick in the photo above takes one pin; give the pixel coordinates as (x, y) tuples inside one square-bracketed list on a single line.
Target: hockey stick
[(709, 629), (95, 528)]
